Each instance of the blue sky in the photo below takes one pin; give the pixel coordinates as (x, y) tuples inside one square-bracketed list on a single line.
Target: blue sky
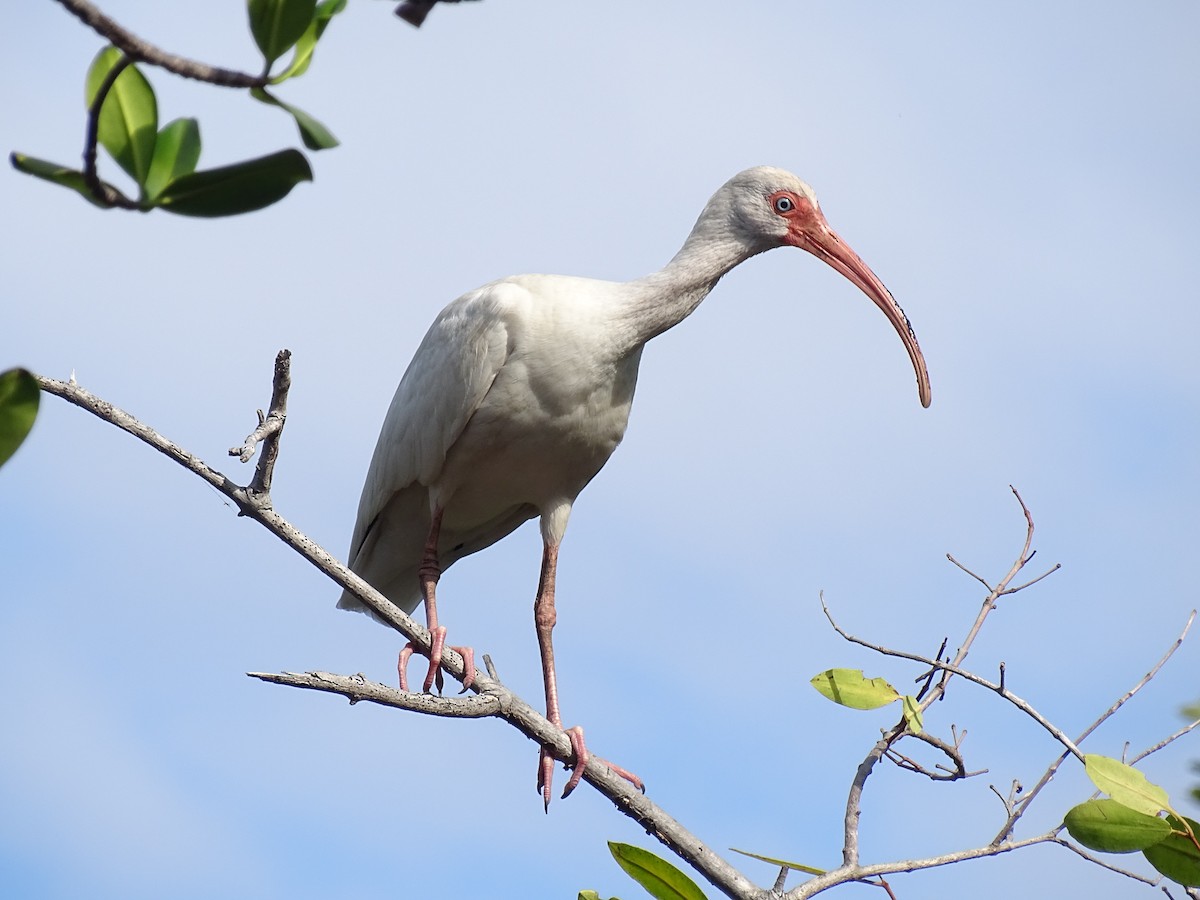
[(1022, 178)]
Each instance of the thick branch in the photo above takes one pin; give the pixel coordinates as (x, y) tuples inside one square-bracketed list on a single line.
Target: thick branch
[(514, 710), (143, 51)]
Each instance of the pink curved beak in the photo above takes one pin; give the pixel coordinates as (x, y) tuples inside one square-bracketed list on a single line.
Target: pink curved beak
[(823, 242)]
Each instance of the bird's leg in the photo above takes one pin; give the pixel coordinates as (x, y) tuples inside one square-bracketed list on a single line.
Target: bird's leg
[(544, 617), (429, 573)]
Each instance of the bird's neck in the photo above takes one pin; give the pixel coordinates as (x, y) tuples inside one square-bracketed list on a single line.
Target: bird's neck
[(662, 300)]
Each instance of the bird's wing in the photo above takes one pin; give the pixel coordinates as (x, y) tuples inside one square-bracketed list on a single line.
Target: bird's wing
[(449, 375)]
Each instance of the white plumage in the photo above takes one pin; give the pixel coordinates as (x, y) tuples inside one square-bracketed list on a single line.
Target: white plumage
[(521, 390)]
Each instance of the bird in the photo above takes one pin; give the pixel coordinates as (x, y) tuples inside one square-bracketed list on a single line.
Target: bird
[(520, 392)]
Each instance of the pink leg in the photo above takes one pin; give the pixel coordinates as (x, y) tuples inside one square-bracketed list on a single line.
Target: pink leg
[(429, 573), (544, 617)]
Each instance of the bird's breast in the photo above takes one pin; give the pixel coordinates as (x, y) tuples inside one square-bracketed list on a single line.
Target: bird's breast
[(545, 428)]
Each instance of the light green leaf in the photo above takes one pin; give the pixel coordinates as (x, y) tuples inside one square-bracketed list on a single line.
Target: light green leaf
[(278, 24), (239, 188), (850, 687), (1176, 856), (175, 154), (49, 171), (799, 867), (308, 41), (315, 135), (19, 396), (128, 125), (591, 895), (1112, 827), (1125, 784), (912, 714), (661, 879)]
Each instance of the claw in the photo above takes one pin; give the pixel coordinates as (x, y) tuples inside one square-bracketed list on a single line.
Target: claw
[(468, 678), (545, 776), (406, 653), (581, 758), (435, 656)]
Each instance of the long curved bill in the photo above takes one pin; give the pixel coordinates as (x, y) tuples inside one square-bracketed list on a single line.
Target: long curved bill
[(824, 243)]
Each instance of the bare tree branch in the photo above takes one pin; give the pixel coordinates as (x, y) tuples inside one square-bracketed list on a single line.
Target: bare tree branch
[(357, 688), (1018, 809), (513, 709), (269, 427)]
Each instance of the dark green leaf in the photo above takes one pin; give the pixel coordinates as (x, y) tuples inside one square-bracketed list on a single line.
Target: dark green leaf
[(315, 135), (128, 126), (278, 24), (1177, 856), (656, 875), (799, 867), (40, 168), (19, 395), (175, 154), (850, 687), (239, 188), (1125, 784), (308, 41), (1111, 827)]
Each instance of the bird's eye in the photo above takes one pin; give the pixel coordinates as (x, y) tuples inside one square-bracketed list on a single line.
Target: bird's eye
[(784, 204)]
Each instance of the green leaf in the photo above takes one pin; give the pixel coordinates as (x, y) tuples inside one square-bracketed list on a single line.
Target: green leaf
[(128, 125), (1112, 827), (912, 714), (19, 396), (1177, 856), (315, 135), (239, 188), (799, 867), (850, 687), (278, 24), (1125, 784), (308, 41), (176, 153), (591, 895), (661, 879), (49, 171)]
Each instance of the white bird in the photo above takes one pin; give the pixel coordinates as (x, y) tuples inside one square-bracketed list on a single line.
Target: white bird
[(521, 391)]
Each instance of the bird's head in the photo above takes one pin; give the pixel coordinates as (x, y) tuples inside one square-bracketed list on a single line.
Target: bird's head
[(769, 207)]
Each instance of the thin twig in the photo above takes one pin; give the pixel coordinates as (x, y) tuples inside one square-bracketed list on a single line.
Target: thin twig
[(1057, 733), (104, 192), (1075, 848), (834, 877), (357, 688), (269, 428), (143, 51), (1191, 726), (1018, 809), (968, 571)]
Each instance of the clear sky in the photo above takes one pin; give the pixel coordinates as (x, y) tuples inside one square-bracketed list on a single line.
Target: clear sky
[(1023, 177)]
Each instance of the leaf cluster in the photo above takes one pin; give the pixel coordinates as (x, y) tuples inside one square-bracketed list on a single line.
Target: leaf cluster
[(1136, 817), (123, 118)]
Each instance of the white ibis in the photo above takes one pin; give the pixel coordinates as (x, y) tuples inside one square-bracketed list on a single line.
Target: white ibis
[(521, 391)]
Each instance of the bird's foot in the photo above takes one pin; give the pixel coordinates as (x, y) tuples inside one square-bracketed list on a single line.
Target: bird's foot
[(435, 662), (582, 755)]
